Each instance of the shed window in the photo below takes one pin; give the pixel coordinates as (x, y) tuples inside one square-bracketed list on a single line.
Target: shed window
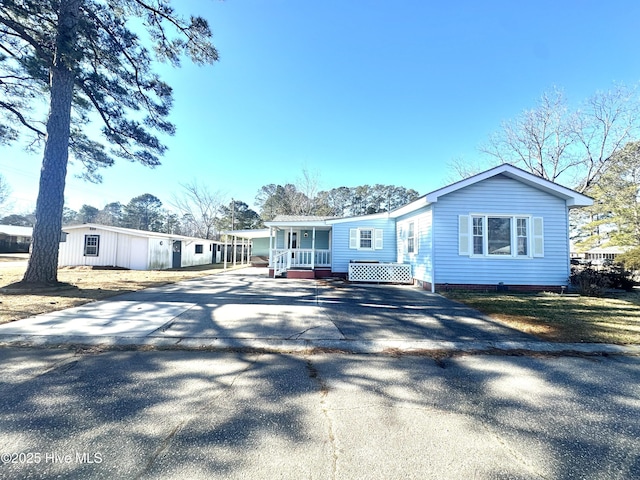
[(91, 245), (199, 248), (411, 238)]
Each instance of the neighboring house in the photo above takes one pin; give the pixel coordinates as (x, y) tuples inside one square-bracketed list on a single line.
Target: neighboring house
[(502, 227), (602, 255), (15, 239), (106, 246)]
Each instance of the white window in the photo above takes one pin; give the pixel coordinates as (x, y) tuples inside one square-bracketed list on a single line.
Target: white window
[(365, 238), (365, 241), (91, 245), (411, 238), (500, 236)]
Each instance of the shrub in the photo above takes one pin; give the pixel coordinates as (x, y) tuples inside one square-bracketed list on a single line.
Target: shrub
[(594, 283), (589, 282)]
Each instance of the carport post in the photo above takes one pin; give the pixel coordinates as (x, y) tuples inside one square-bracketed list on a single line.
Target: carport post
[(226, 240)]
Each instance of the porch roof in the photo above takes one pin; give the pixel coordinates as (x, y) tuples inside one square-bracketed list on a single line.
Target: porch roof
[(250, 234), (299, 221)]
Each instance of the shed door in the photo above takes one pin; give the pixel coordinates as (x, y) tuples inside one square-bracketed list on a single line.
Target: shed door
[(218, 254), (177, 254), (139, 254)]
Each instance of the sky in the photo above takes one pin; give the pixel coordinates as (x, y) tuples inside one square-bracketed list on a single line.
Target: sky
[(358, 92)]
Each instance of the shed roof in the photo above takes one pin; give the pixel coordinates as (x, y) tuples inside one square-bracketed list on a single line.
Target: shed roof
[(131, 231)]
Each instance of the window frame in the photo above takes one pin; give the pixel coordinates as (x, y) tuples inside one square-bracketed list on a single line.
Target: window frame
[(412, 245), (87, 246), (481, 230), (361, 239), (376, 238), (200, 247)]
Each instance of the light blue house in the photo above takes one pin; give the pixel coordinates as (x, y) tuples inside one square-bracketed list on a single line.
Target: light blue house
[(503, 227)]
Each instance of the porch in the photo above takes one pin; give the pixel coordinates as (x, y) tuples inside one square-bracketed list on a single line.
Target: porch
[(299, 249)]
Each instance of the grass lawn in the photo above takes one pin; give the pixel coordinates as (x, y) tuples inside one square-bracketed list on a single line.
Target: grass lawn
[(563, 318)]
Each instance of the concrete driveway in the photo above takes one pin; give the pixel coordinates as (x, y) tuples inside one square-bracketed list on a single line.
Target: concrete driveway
[(247, 309)]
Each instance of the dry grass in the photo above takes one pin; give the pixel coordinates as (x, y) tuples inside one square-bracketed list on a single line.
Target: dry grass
[(563, 318), (91, 285)]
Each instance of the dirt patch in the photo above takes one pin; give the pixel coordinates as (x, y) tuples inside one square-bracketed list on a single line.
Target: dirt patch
[(89, 285)]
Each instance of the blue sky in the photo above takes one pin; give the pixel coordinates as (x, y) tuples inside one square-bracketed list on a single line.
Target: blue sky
[(359, 91)]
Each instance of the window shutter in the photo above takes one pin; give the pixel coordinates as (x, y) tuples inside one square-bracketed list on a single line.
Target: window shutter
[(378, 233), (463, 235), (353, 238), (538, 237)]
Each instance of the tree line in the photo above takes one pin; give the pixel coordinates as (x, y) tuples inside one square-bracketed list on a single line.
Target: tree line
[(198, 212)]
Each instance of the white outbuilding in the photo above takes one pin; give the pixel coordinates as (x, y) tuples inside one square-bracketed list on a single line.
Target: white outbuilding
[(106, 246)]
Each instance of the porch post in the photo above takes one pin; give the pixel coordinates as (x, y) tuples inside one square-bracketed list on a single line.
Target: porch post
[(290, 248), (313, 248), (242, 252), (271, 247)]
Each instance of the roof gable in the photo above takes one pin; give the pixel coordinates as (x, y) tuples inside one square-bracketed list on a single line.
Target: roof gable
[(573, 198)]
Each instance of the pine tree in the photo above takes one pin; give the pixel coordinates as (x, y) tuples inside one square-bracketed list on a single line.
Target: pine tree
[(85, 57)]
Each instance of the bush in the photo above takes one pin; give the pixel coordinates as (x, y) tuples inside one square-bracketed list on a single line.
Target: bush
[(619, 278), (589, 282), (593, 283)]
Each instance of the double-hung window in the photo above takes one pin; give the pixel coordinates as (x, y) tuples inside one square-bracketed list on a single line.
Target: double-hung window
[(91, 245), (365, 238), (500, 236), (411, 238)]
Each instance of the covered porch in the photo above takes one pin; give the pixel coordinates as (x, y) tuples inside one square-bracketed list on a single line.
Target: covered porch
[(299, 249)]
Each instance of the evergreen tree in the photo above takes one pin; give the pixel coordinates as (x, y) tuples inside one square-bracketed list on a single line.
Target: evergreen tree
[(84, 57)]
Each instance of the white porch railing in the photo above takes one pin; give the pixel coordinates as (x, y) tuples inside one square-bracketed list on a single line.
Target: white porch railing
[(284, 259), (280, 263)]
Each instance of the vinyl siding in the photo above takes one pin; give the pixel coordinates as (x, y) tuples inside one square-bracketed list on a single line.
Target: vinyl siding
[(420, 261), (501, 195), (341, 253)]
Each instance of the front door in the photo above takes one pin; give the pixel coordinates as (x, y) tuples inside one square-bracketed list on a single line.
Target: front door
[(177, 254), (292, 240)]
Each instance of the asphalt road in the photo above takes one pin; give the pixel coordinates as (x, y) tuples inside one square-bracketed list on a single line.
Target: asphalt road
[(203, 415)]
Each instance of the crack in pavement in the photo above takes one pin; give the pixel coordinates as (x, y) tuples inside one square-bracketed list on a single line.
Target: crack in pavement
[(324, 391), (165, 443)]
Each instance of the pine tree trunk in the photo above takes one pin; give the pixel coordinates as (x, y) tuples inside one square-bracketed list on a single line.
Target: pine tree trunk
[(43, 263)]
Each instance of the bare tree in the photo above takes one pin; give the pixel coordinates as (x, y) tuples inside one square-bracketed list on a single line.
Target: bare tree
[(539, 139), (550, 141), (199, 208), (307, 189), (5, 191), (608, 121)]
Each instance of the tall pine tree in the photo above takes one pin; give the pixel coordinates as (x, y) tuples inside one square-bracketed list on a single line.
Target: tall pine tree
[(85, 58)]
